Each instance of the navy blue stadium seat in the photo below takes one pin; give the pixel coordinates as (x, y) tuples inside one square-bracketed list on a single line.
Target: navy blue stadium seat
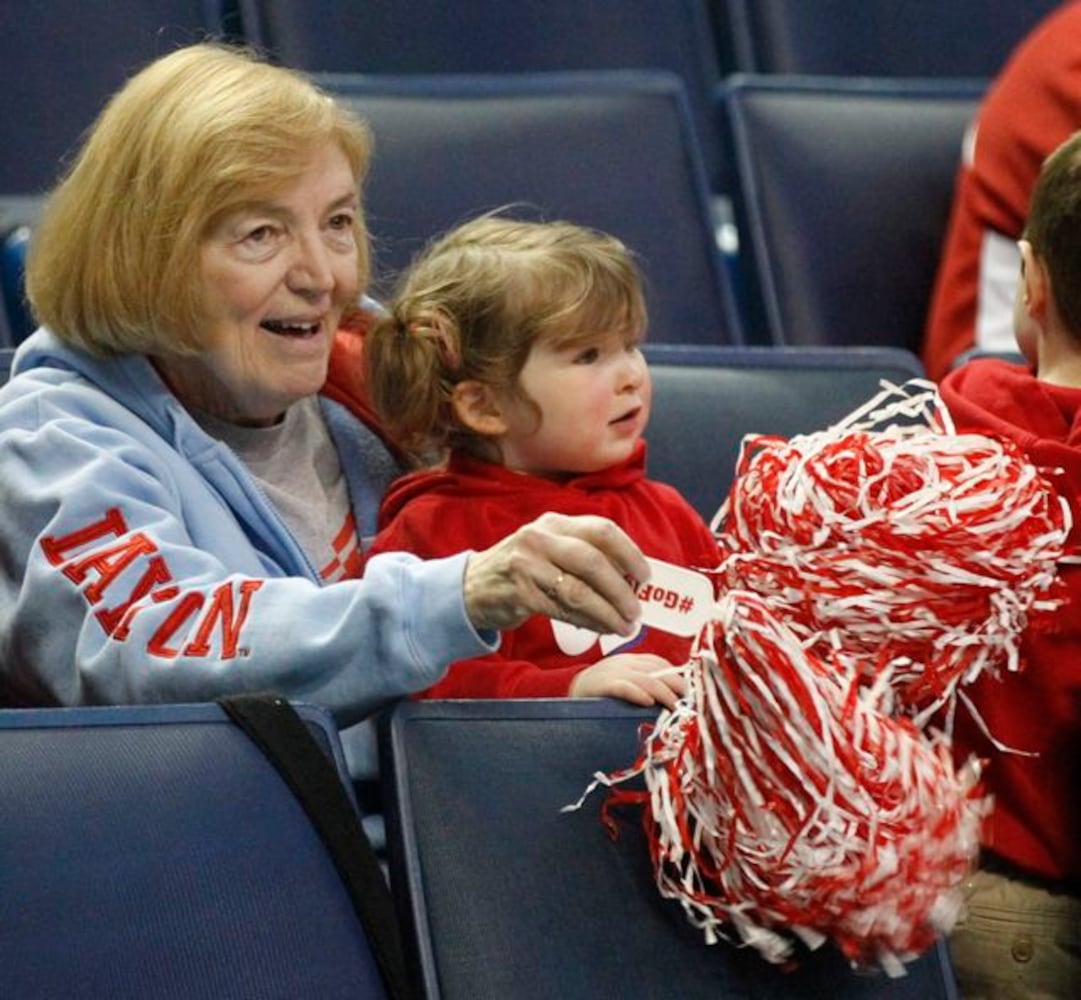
[(706, 399), (503, 895), (13, 247), (18, 215), (493, 36), (877, 37), (7, 338), (612, 150), (842, 196), (154, 851), (60, 61)]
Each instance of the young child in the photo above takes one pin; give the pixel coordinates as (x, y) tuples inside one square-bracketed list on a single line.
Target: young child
[(1023, 933), (511, 352)]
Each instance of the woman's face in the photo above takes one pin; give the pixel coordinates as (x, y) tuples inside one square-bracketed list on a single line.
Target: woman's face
[(276, 277)]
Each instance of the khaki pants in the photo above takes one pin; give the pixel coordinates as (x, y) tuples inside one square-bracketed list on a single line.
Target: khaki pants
[(1019, 941)]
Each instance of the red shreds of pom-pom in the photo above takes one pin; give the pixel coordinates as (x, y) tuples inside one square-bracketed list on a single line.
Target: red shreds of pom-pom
[(907, 549)]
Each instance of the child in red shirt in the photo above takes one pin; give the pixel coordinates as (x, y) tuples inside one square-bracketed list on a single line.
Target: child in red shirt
[(511, 352), (1022, 936)]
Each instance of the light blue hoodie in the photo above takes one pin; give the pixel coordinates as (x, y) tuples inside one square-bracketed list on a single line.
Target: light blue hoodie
[(140, 562)]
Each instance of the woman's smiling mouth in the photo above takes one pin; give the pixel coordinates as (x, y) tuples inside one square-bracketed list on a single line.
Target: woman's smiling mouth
[(287, 328)]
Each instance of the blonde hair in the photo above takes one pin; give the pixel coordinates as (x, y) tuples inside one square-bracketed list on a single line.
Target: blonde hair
[(472, 306), (197, 134)]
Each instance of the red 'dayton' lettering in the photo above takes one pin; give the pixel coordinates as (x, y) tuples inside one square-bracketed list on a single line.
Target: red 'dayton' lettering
[(100, 552)]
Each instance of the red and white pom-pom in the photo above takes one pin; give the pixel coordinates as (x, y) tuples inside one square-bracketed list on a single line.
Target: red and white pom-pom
[(868, 570), (911, 549), (780, 798)]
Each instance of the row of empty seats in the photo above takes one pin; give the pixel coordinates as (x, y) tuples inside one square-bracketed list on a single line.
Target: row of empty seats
[(621, 114), (54, 82), (702, 41), (840, 190), (155, 851)]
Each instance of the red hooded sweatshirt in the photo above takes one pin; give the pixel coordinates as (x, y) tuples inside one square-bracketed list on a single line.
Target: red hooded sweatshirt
[(1036, 823), (472, 504)]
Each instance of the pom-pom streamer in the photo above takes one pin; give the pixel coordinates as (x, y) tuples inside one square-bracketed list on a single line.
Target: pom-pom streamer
[(908, 549)]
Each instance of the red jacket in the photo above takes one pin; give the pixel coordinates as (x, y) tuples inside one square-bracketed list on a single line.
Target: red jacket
[(1036, 823), (1033, 105), (472, 504)]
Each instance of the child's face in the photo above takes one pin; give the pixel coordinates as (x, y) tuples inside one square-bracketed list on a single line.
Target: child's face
[(594, 402)]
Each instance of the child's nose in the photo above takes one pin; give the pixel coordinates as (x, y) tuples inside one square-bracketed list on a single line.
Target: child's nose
[(633, 370)]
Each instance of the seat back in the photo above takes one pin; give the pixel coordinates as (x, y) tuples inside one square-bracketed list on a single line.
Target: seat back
[(155, 851), (608, 150), (13, 248), (7, 337), (18, 216), (706, 399), (59, 63), (429, 37), (506, 896), (842, 196), (877, 37)]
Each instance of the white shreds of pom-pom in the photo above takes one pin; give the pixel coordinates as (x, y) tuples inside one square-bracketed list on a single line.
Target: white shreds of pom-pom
[(781, 800), (909, 548)]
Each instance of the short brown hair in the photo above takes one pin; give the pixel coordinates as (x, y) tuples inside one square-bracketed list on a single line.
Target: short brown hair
[(474, 303), (1054, 228), (197, 134)]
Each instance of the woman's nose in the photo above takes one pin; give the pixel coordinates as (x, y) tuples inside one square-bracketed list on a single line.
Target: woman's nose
[(311, 272)]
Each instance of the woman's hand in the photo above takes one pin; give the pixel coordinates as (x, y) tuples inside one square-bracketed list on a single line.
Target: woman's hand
[(642, 679), (572, 568)]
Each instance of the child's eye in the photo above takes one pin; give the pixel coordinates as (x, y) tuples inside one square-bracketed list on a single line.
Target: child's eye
[(587, 356)]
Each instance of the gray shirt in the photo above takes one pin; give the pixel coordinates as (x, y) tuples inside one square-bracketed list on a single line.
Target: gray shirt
[(297, 465)]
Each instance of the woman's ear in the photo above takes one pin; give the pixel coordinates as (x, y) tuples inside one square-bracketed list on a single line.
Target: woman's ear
[(477, 409)]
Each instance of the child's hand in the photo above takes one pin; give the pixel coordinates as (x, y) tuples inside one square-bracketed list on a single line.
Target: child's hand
[(642, 679)]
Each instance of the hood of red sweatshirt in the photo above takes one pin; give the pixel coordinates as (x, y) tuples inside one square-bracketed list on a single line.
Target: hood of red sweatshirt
[(345, 382), (1008, 400)]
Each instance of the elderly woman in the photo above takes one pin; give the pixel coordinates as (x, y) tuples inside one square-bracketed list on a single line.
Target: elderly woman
[(188, 469)]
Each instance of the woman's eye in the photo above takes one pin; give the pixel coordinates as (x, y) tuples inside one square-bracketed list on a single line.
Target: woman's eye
[(259, 235), (343, 220)]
